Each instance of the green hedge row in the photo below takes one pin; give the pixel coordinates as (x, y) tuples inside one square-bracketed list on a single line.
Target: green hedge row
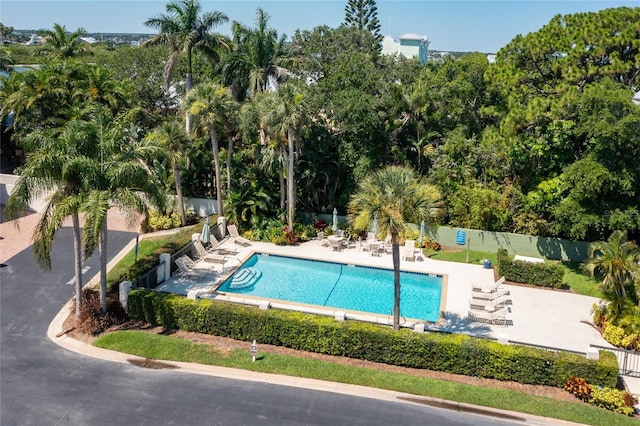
[(539, 274), (452, 353)]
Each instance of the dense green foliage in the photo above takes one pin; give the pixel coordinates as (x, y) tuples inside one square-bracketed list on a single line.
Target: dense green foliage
[(538, 274), (457, 354), (544, 141)]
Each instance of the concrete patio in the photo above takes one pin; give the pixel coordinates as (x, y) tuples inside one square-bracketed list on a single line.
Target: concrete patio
[(543, 317)]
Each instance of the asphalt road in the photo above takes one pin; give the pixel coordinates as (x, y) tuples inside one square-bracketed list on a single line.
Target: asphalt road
[(44, 384)]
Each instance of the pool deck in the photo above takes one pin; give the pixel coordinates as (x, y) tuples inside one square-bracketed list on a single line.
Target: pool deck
[(552, 318)]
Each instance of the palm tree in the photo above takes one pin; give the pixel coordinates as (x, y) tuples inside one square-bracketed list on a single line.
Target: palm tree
[(258, 57), (287, 117), (123, 181), (41, 94), (172, 138), (395, 197), (617, 261), (211, 104), (59, 166), (185, 29), (61, 44)]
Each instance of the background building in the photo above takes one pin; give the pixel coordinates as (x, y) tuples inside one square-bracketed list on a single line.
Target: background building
[(409, 45)]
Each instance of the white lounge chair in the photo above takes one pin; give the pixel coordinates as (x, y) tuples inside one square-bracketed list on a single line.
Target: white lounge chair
[(495, 317), (409, 250), (488, 288), (202, 254), (189, 268), (233, 232), (484, 303), (215, 247), (490, 295)]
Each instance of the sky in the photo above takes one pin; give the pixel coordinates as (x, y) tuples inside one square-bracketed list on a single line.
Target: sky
[(452, 25)]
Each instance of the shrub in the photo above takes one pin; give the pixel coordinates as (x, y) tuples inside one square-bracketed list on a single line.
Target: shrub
[(158, 221), (613, 334), (632, 342), (456, 353), (579, 387), (538, 274), (612, 399)]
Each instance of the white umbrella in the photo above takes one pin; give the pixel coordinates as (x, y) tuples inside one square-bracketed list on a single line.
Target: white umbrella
[(334, 225), (375, 225), (205, 235), (421, 237)]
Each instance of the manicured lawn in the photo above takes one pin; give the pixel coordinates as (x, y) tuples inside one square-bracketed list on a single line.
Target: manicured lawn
[(170, 348)]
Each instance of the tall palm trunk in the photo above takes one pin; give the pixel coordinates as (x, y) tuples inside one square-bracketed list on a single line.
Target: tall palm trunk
[(290, 180), (103, 266), (229, 154), (216, 161), (283, 191), (77, 254), (178, 182), (187, 118), (395, 254)]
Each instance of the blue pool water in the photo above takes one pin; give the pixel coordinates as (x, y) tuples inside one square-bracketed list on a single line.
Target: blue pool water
[(336, 285)]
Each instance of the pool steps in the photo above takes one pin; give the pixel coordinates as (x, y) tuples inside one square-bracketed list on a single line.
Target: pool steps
[(245, 277)]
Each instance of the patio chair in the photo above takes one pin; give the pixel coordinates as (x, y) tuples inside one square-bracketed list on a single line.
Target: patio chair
[(484, 303), (233, 232), (348, 243), (201, 253), (489, 295), (488, 288), (188, 267), (215, 247), (409, 250), (495, 317), (322, 239)]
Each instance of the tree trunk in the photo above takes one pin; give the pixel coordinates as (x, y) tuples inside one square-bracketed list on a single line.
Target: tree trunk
[(395, 253), (187, 118), (178, 181), (77, 253), (290, 180), (103, 266), (283, 191), (229, 154), (216, 161)]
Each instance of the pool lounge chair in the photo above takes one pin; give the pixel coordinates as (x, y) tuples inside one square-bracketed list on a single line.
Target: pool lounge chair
[(488, 288), (484, 303), (489, 295), (495, 317), (189, 268), (235, 236), (201, 253), (215, 248), (409, 250)]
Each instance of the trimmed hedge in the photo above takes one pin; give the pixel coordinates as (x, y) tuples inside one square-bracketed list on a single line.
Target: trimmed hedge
[(538, 274), (452, 353)]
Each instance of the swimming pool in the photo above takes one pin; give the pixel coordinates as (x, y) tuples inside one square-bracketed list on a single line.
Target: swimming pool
[(336, 285)]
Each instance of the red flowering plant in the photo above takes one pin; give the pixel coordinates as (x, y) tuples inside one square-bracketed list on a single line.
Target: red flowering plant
[(319, 224), (289, 236)]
